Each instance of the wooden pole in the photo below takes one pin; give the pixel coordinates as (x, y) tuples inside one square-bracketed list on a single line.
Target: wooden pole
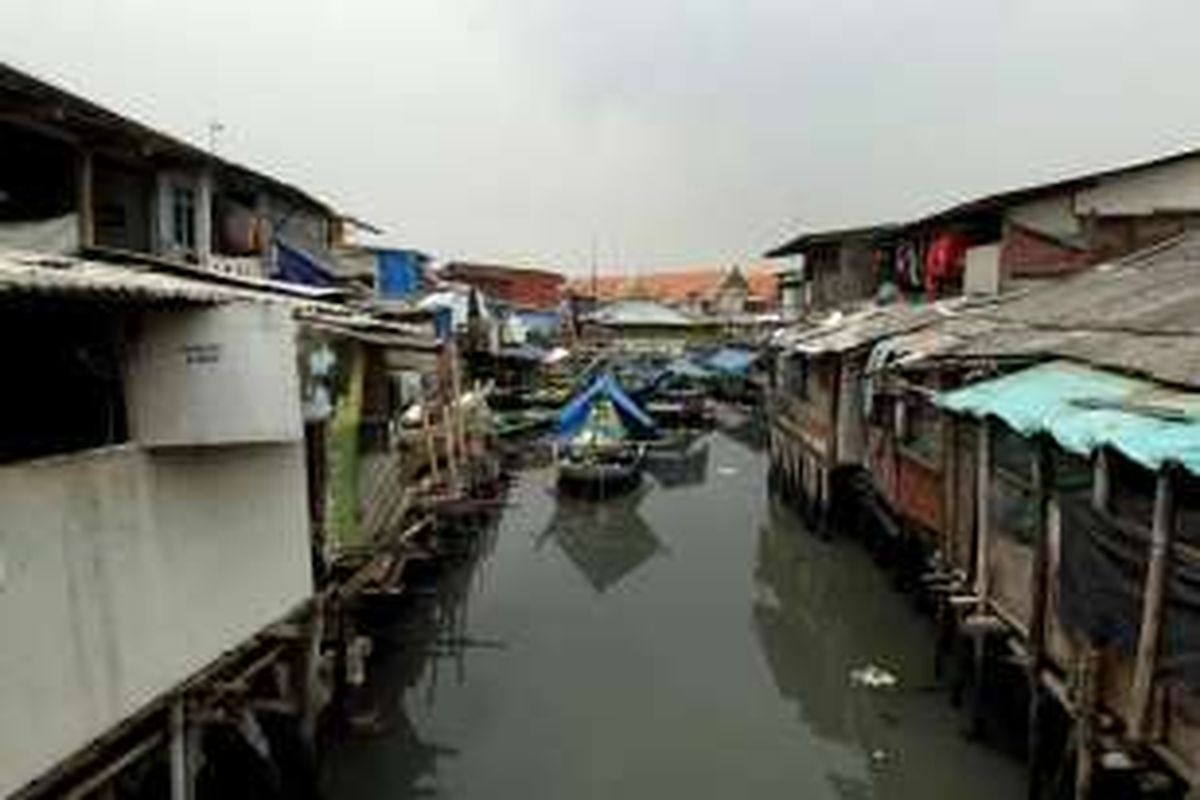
[(1085, 738), (1088, 663), (430, 444), (1042, 485), (310, 675), (85, 199), (181, 788), (983, 478), (1161, 534)]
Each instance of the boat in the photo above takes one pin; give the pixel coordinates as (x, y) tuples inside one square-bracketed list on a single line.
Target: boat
[(598, 474), (602, 439)]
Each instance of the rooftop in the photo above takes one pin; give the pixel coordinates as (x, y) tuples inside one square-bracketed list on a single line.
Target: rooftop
[(677, 286)]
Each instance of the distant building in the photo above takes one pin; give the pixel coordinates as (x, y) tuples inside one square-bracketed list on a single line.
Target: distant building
[(79, 177), (706, 290), (519, 287), (1004, 240)]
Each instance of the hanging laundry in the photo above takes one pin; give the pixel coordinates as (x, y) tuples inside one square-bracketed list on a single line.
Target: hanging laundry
[(944, 262), (908, 265)]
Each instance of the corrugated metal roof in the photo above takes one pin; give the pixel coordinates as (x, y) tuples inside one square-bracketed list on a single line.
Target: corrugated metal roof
[(642, 313), (839, 333), (1140, 315), (1084, 409), (372, 330), (35, 273)]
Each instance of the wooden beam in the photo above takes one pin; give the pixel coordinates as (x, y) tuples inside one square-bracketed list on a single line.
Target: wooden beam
[(114, 768), (983, 478), (1042, 484), (85, 200), (1161, 534), (181, 788)]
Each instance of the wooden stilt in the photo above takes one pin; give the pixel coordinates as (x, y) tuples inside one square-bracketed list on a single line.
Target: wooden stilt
[(311, 691), (1042, 484), (1088, 663), (1085, 724), (978, 682), (1161, 535)]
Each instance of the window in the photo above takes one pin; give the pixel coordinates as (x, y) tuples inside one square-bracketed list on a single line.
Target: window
[(1132, 488), (183, 216), (920, 432), (66, 357), (1012, 504)]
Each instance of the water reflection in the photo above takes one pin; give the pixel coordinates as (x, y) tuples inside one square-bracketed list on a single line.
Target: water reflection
[(605, 541), (416, 649), (680, 468), (823, 610), (599, 669)]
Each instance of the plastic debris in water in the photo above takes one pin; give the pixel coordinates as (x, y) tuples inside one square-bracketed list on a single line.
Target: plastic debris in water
[(726, 470), (873, 676)]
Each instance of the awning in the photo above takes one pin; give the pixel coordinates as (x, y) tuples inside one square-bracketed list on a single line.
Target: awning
[(294, 265), (1084, 409)]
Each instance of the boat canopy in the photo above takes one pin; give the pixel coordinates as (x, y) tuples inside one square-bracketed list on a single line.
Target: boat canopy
[(731, 361), (575, 415)]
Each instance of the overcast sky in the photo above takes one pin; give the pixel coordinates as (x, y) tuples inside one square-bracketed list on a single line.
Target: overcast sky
[(673, 133)]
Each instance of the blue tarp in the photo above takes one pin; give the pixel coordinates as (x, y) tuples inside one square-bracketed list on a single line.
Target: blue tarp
[(293, 265), (400, 272), (1084, 409), (731, 360), (576, 413)]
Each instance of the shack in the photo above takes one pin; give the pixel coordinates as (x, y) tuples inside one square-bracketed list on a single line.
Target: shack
[(154, 452)]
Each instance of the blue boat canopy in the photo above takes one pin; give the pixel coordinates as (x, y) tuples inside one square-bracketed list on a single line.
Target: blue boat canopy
[(1084, 409), (576, 413), (731, 360)]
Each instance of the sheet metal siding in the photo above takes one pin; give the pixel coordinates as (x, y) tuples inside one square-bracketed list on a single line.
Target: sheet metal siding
[(1061, 398)]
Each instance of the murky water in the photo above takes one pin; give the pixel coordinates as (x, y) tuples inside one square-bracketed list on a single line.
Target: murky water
[(692, 641)]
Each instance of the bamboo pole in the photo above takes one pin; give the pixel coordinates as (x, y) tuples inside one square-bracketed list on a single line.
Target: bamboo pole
[(430, 444), (1161, 534)]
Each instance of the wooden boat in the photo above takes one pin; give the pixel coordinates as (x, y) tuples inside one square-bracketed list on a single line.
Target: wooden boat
[(601, 435), (601, 472)]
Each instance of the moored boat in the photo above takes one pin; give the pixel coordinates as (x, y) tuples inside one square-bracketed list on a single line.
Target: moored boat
[(601, 442)]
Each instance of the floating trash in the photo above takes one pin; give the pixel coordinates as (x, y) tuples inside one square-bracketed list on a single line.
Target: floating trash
[(727, 470), (873, 676)]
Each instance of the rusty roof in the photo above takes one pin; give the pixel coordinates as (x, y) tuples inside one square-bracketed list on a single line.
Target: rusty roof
[(1139, 315)]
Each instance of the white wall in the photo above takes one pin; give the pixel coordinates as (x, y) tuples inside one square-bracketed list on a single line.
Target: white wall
[(982, 273), (1171, 187), (124, 571), (212, 375), (1050, 215)]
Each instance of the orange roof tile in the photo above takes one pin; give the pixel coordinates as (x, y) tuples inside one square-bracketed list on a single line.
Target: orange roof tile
[(675, 286)]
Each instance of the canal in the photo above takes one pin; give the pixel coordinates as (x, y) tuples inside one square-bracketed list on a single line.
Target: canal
[(690, 641)]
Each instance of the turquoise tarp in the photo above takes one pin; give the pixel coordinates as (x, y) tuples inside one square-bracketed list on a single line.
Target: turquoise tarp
[(1084, 409)]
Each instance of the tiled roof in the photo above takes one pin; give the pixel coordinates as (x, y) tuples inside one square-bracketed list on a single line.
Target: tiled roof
[(676, 286)]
